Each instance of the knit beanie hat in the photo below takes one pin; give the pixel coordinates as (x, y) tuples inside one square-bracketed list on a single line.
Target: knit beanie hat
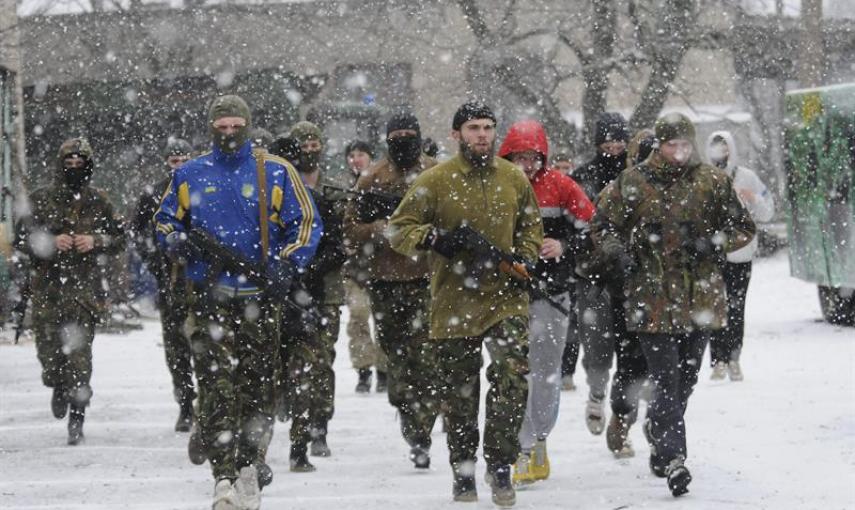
[(470, 111)]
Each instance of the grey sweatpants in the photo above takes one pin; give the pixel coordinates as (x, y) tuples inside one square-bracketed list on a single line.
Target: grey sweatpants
[(547, 336)]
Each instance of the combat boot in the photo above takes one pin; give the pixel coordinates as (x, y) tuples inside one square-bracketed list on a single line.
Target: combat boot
[(185, 417), (196, 449), (595, 415), (382, 382), (540, 460), (420, 456), (522, 470), (617, 437), (567, 383), (299, 461), (59, 402), (319, 448), (225, 497), (265, 475), (364, 383), (247, 490), (657, 465), (679, 477), (464, 489), (499, 479), (75, 425)]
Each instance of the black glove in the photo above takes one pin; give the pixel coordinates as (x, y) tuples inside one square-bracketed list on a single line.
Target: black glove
[(179, 247), (448, 244), (697, 246), (281, 274)]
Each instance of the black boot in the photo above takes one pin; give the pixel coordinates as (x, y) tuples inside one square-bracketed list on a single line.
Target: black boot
[(464, 489), (381, 382), (499, 479), (299, 461), (185, 416), (364, 384), (59, 402), (679, 477), (420, 457), (75, 425), (196, 449), (318, 446), (265, 475)]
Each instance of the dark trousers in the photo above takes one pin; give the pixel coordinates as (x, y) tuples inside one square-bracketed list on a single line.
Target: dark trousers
[(726, 343), (571, 351), (631, 371), (673, 361)]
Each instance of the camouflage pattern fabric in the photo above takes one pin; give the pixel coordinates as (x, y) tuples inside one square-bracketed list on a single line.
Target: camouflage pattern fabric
[(364, 351), (235, 343), (652, 211), (401, 317), (176, 341), (459, 365), (311, 379)]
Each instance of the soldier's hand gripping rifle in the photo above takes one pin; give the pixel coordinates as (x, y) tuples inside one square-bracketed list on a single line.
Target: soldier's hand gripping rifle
[(371, 205), (486, 252), (227, 260)]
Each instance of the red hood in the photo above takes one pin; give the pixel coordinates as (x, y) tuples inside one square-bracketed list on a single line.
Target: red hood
[(526, 135)]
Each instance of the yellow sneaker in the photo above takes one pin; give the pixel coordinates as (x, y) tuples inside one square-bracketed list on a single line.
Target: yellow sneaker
[(522, 471), (539, 466)]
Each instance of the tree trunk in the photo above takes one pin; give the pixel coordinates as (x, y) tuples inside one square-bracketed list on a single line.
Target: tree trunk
[(596, 70), (812, 52), (677, 21)]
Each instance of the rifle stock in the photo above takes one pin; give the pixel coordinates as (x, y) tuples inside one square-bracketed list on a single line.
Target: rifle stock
[(371, 205)]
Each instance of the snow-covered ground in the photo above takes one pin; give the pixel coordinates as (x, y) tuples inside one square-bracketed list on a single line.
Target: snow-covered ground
[(782, 439)]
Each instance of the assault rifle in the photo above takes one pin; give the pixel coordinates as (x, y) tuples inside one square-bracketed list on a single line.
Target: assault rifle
[(484, 250), (224, 259), (371, 205)]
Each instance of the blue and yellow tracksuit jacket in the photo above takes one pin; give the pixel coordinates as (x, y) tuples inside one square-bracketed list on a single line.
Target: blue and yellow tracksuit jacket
[(218, 192)]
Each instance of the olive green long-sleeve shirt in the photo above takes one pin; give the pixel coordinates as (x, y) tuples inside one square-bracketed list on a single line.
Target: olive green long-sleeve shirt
[(467, 297)]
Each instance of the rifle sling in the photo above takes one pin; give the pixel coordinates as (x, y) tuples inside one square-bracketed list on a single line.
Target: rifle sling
[(262, 204)]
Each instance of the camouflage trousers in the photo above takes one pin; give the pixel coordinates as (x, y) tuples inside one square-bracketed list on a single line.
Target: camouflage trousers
[(310, 377), (460, 363), (401, 317), (64, 332), (176, 344), (364, 351), (235, 344)]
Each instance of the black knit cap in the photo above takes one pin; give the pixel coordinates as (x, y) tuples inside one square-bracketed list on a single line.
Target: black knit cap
[(403, 120), (470, 111), (610, 127), (359, 145)]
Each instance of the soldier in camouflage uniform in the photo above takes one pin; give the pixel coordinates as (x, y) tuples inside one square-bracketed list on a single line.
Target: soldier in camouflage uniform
[(473, 302), (235, 320), (666, 225), (70, 229), (311, 353), (171, 286), (398, 287)]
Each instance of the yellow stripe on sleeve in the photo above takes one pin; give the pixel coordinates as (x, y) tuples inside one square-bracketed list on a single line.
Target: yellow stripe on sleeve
[(304, 234)]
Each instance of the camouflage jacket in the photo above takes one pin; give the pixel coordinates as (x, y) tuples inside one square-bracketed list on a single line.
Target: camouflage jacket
[(647, 212), (70, 275)]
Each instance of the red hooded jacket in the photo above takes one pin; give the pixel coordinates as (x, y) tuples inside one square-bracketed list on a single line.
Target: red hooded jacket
[(565, 208)]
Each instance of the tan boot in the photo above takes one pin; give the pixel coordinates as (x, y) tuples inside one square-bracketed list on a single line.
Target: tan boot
[(719, 371), (617, 437)]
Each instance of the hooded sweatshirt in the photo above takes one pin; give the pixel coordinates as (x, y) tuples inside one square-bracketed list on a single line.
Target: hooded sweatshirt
[(565, 208), (761, 209)]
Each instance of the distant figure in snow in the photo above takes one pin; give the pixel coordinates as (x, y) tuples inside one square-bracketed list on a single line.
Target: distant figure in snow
[(726, 343), (72, 226), (172, 296)]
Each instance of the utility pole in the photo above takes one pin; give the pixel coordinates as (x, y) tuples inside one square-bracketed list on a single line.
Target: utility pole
[(812, 48)]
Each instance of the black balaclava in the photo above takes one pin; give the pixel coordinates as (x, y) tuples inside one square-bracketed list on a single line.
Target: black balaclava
[(230, 106), (303, 132), (404, 151), (610, 127), (74, 179)]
